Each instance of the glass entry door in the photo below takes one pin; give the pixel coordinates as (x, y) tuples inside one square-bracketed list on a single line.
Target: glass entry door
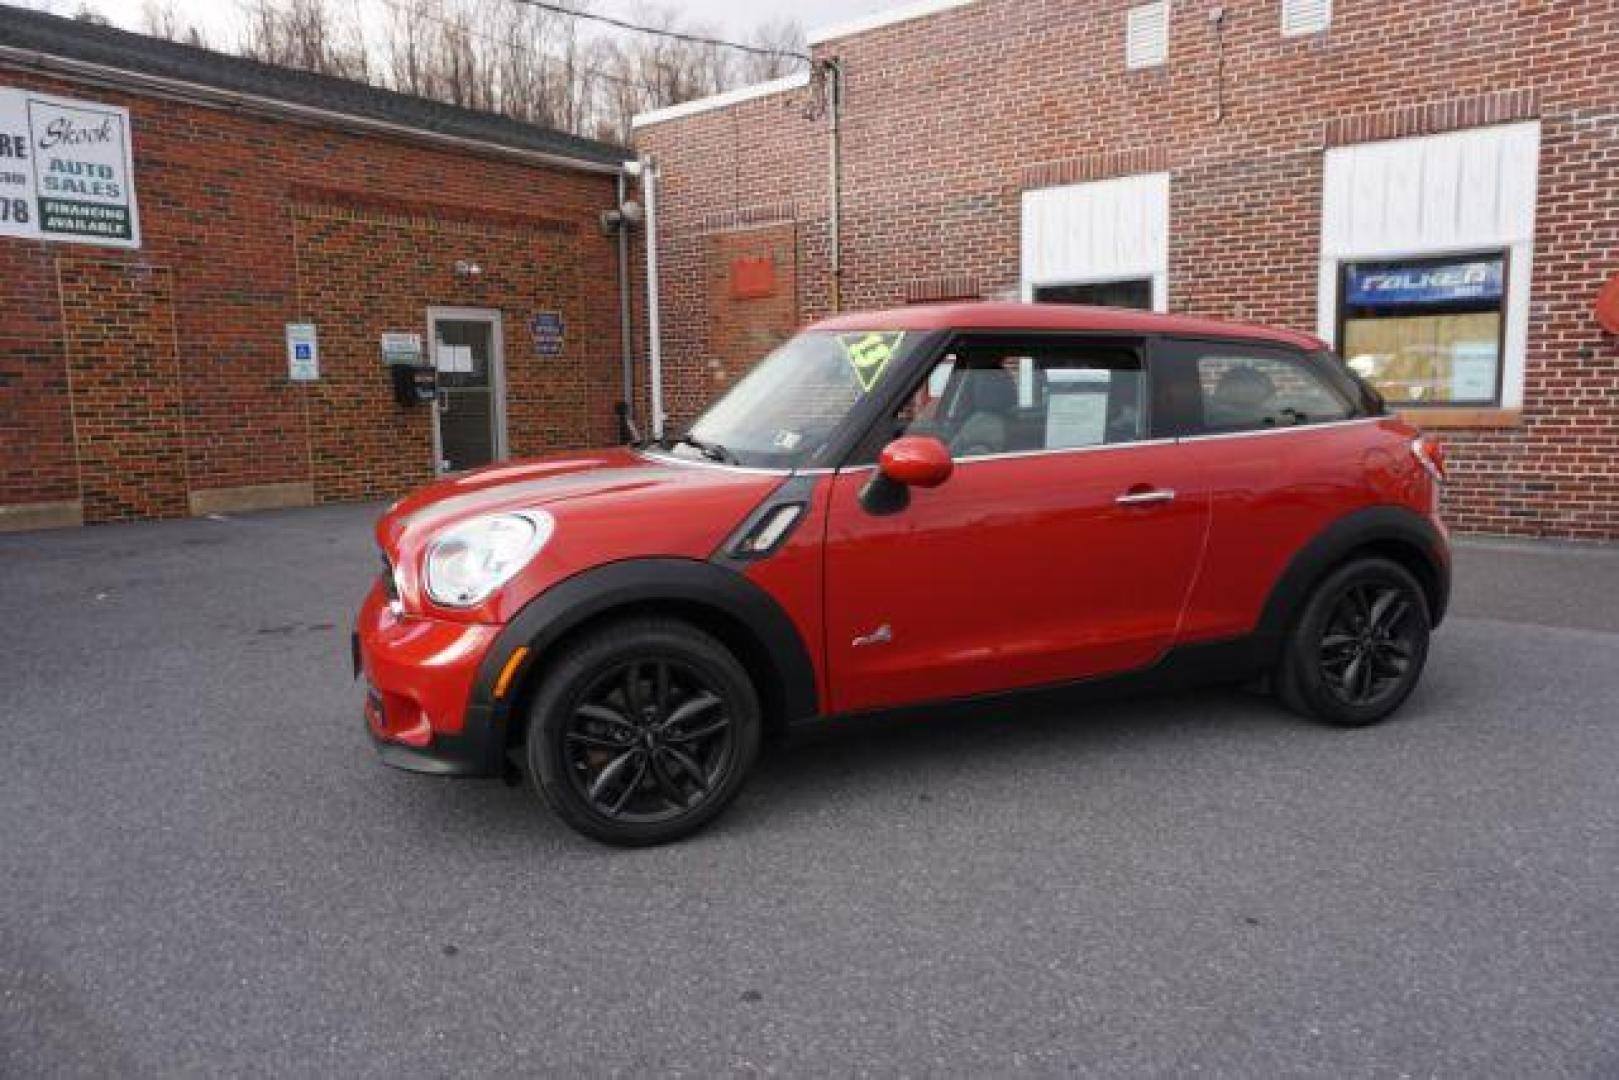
[(469, 415)]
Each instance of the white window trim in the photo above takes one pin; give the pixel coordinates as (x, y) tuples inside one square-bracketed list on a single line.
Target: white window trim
[(1155, 266), (1520, 251)]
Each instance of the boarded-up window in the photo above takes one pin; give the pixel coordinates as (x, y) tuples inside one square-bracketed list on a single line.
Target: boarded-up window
[(1305, 16), (1146, 35)]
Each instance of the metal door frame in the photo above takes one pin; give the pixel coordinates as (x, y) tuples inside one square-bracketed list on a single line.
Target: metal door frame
[(497, 375)]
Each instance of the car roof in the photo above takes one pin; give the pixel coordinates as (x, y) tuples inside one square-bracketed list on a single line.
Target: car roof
[(1039, 317)]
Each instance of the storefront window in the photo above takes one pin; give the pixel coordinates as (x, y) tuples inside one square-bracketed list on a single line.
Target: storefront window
[(1426, 331)]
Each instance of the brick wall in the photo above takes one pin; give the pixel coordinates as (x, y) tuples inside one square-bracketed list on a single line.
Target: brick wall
[(124, 378), (367, 266), (130, 381), (951, 117), (747, 316)]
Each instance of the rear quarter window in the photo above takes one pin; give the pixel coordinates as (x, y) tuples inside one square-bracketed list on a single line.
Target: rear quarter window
[(1368, 399), (1230, 387)]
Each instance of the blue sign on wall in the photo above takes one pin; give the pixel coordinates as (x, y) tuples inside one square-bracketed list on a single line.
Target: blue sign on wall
[(549, 331), (1404, 285)]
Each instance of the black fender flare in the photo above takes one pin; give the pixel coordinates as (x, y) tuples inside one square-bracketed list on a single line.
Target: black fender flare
[(1372, 527), (778, 652)]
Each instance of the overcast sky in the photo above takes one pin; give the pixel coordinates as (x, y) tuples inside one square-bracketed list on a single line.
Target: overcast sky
[(223, 21)]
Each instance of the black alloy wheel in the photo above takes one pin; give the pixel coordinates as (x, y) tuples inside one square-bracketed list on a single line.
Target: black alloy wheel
[(1358, 646), (648, 740), (1369, 643), (643, 731)]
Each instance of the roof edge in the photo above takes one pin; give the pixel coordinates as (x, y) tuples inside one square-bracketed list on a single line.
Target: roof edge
[(219, 97), (796, 81), (850, 28), (1021, 317)]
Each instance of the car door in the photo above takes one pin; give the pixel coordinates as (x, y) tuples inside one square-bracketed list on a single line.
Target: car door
[(1278, 443), (1061, 548)]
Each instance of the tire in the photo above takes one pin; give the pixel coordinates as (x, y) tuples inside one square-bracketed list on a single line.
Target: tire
[(1371, 609), (643, 732)]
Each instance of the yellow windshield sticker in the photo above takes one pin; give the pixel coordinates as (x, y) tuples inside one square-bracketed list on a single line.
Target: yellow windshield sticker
[(869, 355)]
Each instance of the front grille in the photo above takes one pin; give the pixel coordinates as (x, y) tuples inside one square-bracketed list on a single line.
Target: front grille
[(390, 588)]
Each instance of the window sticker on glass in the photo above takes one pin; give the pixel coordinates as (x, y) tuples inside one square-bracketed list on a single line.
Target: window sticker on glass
[(869, 355), (1076, 417)]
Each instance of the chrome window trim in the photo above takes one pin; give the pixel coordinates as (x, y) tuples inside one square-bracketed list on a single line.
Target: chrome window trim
[(1291, 429), (1020, 454), (1014, 456)]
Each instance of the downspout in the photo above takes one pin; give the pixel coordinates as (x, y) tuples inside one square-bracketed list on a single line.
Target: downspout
[(832, 72), (626, 322), (649, 190)]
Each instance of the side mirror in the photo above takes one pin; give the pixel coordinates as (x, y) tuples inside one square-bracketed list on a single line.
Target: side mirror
[(914, 461), (917, 461)]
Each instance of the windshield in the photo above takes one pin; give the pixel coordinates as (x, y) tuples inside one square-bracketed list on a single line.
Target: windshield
[(782, 413)]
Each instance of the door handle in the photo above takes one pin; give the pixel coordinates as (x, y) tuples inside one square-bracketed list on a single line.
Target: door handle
[(1145, 497)]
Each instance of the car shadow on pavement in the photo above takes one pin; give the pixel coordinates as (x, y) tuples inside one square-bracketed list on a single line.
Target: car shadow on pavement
[(998, 741), (866, 767)]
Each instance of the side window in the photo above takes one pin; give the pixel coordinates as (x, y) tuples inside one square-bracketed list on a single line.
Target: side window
[(1257, 390), (986, 399)]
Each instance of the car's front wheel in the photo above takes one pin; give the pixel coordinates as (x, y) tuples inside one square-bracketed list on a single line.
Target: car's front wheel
[(643, 732), (1358, 646)]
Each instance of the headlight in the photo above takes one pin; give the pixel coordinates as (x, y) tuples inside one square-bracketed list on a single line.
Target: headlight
[(469, 562)]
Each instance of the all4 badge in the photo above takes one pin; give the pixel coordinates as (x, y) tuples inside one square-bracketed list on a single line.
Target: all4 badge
[(869, 355)]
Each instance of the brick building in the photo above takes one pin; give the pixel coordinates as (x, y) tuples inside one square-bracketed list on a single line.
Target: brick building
[(1433, 187), (218, 339)]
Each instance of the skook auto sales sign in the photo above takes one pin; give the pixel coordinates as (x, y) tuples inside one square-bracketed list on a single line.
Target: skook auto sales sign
[(66, 171)]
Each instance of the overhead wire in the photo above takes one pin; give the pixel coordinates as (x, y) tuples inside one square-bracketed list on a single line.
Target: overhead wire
[(573, 68), (664, 32)]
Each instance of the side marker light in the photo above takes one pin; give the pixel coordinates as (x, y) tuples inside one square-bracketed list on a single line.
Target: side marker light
[(508, 674)]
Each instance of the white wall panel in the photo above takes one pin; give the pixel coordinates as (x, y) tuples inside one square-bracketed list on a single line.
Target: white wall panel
[(1461, 192), (1108, 230)]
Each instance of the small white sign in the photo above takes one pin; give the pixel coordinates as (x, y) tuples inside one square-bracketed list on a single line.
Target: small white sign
[(303, 353), (401, 348), (1472, 371)]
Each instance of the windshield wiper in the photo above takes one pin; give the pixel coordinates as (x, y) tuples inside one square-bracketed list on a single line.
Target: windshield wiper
[(713, 451)]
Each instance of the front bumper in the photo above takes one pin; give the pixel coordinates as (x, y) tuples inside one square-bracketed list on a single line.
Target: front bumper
[(420, 675)]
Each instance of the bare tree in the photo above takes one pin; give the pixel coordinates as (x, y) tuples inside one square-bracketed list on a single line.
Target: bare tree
[(673, 69), (163, 20), (308, 35), (533, 64), (410, 44), (784, 38)]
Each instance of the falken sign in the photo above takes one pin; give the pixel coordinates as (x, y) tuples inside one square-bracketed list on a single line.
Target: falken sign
[(66, 172), (1393, 284)]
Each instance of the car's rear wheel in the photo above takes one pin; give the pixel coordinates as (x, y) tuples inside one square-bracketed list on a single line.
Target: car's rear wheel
[(643, 732), (1359, 645)]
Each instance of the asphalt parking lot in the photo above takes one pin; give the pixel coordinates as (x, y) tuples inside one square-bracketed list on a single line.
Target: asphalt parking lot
[(206, 871)]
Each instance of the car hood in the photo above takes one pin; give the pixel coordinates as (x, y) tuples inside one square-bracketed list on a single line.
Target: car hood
[(608, 505)]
